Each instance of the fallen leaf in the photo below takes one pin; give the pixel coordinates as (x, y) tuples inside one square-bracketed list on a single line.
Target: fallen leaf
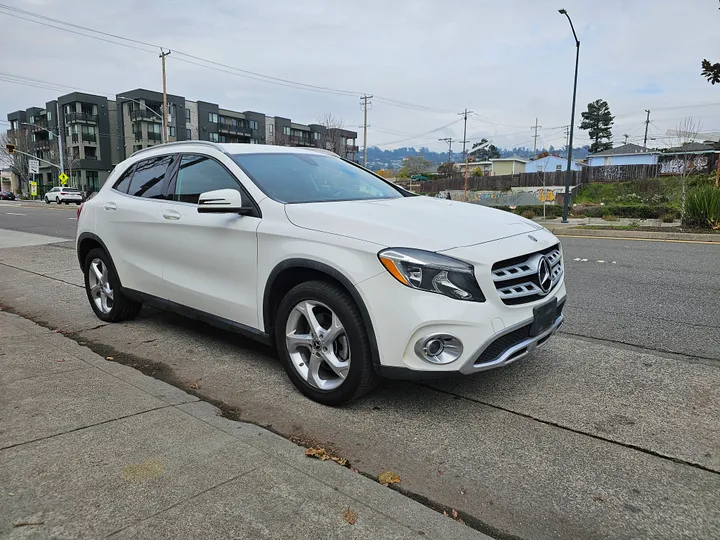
[(353, 469), (194, 386), (318, 453), (109, 358), (339, 460), (388, 477), (350, 516), (61, 360)]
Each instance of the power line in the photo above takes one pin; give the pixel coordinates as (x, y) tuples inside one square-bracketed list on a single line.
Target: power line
[(421, 134)]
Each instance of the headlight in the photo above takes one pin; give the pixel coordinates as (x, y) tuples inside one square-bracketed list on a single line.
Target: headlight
[(432, 272)]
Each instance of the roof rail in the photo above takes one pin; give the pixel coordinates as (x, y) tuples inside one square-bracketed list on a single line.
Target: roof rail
[(178, 143)]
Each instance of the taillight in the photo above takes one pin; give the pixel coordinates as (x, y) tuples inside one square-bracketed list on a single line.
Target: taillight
[(79, 210)]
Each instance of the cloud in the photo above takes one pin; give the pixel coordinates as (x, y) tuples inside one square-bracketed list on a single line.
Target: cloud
[(510, 62)]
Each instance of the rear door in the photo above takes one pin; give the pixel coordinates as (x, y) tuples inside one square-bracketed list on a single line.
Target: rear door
[(209, 260), (132, 216)]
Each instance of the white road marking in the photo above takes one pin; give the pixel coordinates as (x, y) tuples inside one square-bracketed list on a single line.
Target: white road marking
[(14, 214), (583, 260), (72, 218), (601, 262), (576, 259)]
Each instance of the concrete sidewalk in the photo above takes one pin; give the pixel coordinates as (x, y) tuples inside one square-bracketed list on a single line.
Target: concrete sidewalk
[(90, 449)]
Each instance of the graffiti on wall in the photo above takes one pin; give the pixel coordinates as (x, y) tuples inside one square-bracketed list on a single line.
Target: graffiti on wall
[(678, 165)]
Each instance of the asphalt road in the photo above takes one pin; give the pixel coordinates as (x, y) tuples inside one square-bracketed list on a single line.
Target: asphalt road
[(610, 431), (39, 218)]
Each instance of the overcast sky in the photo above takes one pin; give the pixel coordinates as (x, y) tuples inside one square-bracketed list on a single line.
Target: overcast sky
[(509, 61)]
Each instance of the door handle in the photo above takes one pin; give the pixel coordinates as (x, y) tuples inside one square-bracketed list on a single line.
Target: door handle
[(172, 215), (110, 206)]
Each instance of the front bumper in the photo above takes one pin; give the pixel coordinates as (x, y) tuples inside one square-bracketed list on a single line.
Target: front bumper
[(493, 333)]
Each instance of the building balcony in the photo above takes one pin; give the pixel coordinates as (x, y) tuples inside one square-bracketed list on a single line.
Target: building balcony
[(75, 117), (152, 136), (91, 157), (240, 130), (40, 125), (349, 148), (145, 114), (138, 136), (42, 145), (88, 137)]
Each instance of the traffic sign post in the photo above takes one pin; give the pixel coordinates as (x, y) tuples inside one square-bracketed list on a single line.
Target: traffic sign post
[(33, 189), (34, 166)]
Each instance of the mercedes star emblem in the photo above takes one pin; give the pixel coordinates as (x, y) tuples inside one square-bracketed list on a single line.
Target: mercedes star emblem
[(544, 275)]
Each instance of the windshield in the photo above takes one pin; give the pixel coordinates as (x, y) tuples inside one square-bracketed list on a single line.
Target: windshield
[(298, 178)]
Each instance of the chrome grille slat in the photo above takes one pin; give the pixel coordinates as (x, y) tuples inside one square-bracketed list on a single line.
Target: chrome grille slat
[(506, 277)]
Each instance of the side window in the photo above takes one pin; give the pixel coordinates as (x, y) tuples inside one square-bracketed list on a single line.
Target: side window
[(147, 180), (198, 174), (124, 181)]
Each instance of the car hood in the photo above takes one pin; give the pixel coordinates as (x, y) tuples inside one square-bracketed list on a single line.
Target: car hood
[(420, 222)]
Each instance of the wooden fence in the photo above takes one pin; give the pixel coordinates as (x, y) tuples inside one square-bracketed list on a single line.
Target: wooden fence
[(612, 173)]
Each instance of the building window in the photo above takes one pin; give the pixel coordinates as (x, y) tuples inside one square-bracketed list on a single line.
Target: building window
[(171, 130), (213, 118), (222, 138), (187, 115), (91, 179), (539, 168), (253, 124), (271, 128), (213, 137), (137, 147), (316, 135), (188, 134), (286, 130), (49, 115), (558, 168)]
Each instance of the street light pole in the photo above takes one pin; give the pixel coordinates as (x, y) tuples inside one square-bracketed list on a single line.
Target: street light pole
[(60, 141), (59, 138), (568, 173)]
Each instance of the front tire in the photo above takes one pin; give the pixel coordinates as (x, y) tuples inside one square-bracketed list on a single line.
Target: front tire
[(47, 201), (103, 289), (323, 343)]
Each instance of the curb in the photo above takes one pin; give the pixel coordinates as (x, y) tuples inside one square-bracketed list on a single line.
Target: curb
[(637, 235)]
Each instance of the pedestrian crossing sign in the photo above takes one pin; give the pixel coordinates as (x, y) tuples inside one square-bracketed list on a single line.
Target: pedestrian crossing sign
[(63, 178)]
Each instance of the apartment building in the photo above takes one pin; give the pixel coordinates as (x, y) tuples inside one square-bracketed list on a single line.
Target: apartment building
[(99, 132)]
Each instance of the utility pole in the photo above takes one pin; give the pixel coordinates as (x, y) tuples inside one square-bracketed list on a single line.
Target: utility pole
[(626, 138), (464, 114), (449, 141), (535, 136), (647, 124), (567, 138), (365, 104), (165, 115)]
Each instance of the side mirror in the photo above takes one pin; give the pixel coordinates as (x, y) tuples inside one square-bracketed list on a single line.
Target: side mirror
[(223, 201)]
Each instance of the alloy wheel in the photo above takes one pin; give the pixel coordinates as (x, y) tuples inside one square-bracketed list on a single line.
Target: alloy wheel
[(318, 345), (100, 288)]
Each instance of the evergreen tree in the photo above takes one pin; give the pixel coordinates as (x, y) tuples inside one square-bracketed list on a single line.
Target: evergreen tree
[(598, 121)]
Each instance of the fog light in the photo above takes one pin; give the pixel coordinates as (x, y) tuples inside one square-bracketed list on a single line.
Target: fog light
[(439, 348)]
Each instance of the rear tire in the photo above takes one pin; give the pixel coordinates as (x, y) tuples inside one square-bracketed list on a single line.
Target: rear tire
[(57, 200), (304, 357), (103, 290)]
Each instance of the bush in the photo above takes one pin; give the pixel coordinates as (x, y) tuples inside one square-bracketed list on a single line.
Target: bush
[(668, 218), (702, 208), (609, 217), (528, 214)]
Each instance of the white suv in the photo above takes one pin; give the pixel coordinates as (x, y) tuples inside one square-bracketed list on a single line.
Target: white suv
[(348, 275), (64, 195)]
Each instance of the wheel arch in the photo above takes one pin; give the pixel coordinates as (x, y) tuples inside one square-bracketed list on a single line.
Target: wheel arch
[(86, 242), (292, 272)]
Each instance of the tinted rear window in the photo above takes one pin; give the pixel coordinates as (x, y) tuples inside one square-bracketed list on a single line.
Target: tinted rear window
[(148, 176), (124, 181)]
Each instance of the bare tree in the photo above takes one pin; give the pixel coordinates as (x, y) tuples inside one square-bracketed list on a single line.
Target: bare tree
[(332, 139), (686, 133), (18, 163)]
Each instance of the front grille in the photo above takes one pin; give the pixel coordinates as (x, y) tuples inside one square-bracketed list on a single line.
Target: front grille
[(517, 281)]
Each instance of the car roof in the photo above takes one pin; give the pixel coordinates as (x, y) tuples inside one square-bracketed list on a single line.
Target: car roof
[(228, 148)]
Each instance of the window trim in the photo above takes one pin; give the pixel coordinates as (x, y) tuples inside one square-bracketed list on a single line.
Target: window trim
[(170, 192), (130, 171)]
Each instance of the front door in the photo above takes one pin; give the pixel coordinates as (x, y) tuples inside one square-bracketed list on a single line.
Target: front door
[(210, 262)]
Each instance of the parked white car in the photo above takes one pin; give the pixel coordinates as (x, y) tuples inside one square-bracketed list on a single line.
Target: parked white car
[(350, 276), (65, 195)]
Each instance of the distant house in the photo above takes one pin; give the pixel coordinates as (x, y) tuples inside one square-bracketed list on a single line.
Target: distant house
[(508, 165), (551, 164), (484, 166), (627, 154), (697, 157)]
